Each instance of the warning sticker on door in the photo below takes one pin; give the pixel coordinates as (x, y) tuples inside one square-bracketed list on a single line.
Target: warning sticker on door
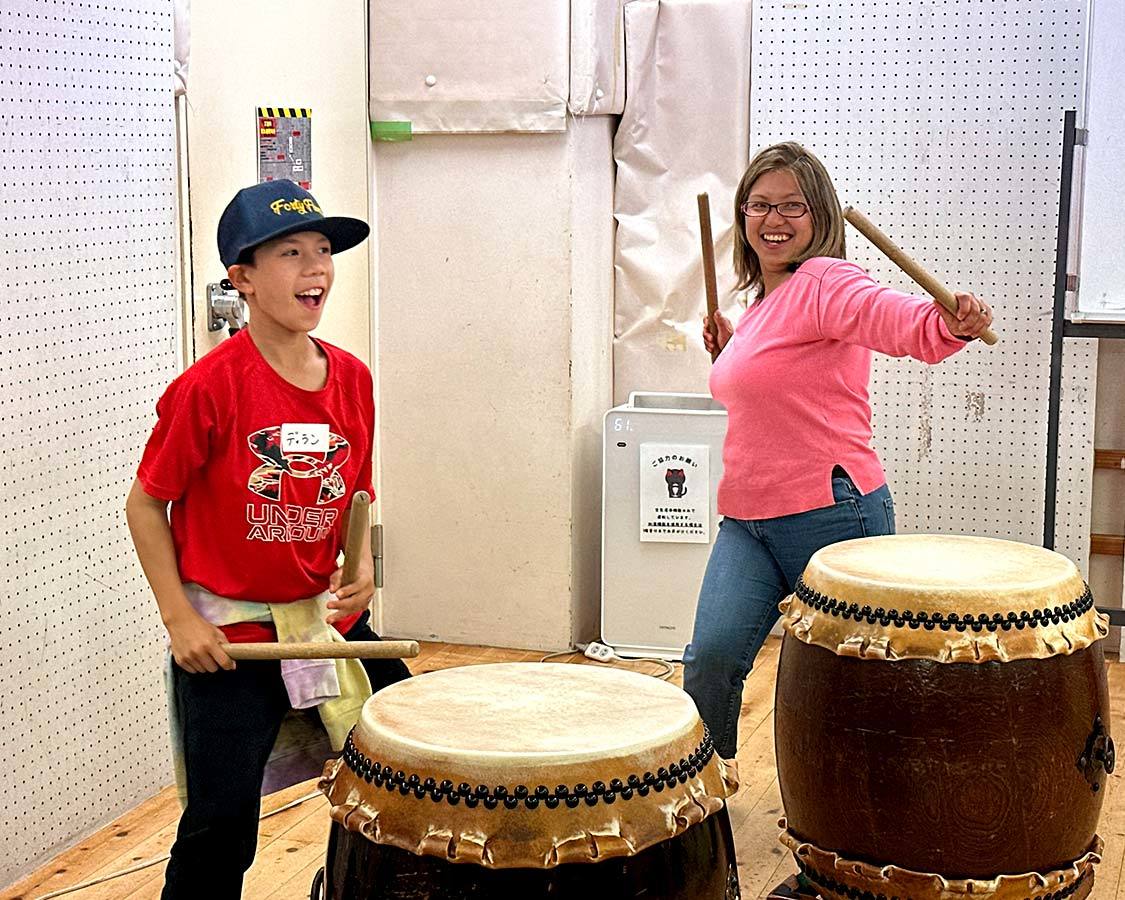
[(285, 144)]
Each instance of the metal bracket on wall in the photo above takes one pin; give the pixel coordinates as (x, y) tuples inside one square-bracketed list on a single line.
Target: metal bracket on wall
[(226, 307), (377, 552)]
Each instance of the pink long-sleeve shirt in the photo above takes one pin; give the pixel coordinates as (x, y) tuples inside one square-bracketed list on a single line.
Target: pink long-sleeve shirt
[(794, 379)]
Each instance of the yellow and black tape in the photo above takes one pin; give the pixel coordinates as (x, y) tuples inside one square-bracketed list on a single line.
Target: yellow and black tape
[(284, 112)]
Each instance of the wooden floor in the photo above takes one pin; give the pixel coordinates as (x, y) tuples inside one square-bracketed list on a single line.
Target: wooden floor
[(291, 844)]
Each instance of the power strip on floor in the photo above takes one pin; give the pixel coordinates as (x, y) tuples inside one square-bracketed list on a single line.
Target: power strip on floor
[(599, 652)]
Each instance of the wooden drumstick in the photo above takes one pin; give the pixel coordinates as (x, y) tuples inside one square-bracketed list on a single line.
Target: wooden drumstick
[(709, 283), (895, 254), (324, 650), (357, 528), (353, 550)]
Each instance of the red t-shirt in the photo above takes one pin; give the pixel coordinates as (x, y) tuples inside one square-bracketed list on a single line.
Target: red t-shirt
[(260, 473)]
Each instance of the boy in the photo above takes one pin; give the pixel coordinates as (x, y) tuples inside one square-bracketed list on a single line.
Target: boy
[(259, 448)]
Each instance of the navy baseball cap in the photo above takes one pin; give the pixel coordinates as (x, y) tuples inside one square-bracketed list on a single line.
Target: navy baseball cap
[(274, 209)]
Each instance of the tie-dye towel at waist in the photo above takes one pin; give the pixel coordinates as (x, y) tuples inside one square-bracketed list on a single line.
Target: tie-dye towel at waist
[(338, 688)]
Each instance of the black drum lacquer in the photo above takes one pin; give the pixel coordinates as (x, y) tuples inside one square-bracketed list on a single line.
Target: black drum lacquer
[(697, 865)]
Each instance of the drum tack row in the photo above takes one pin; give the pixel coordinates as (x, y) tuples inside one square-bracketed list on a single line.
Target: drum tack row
[(941, 732)]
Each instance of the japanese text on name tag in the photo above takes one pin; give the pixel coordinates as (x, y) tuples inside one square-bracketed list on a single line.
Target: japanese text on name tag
[(304, 437)]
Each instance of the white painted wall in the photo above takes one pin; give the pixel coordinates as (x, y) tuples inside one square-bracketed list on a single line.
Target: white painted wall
[(591, 266), (494, 284), (260, 53)]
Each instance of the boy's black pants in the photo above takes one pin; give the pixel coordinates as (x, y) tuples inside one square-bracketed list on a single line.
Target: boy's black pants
[(230, 721)]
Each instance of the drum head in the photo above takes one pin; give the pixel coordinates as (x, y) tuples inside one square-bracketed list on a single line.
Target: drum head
[(527, 765), (943, 597), (520, 714)]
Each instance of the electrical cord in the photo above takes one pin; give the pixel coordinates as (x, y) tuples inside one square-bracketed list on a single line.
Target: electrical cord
[(668, 669)]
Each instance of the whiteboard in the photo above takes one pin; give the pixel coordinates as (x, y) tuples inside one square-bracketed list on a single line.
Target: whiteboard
[(1101, 233)]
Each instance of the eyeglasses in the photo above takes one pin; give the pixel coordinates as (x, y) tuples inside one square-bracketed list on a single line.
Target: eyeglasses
[(755, 209)]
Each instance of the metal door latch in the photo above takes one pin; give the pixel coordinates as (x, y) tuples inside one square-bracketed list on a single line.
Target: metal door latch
[(226, 307), (377, 552)]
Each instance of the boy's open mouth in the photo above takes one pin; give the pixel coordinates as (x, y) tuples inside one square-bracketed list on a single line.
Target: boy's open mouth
[(312, 298)]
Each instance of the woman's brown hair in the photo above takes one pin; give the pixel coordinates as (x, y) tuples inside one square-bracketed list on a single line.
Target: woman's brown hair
[(824, 207)]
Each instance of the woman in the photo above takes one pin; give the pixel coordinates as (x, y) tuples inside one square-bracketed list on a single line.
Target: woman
[(799, 472)]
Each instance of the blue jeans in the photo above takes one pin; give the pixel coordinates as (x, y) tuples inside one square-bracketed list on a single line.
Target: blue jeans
[(753, 566)]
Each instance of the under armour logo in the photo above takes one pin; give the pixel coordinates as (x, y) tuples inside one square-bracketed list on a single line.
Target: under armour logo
[(265, 481)]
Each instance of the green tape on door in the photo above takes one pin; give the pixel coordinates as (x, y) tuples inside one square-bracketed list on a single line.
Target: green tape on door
[(391, 131)]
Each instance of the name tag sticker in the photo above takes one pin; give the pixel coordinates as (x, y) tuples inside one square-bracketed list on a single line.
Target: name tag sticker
[(304, 438)]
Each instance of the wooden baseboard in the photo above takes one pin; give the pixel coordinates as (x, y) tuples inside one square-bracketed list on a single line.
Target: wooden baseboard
[(1109, 459), (1108, 544)]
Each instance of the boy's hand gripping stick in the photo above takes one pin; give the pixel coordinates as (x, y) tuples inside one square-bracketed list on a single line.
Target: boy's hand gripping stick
[(357, 527)]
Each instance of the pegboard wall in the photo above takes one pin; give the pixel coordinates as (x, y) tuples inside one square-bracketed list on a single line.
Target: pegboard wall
[(89, 340), (943, 121)]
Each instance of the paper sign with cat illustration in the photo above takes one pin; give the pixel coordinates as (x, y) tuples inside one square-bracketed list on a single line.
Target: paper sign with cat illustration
[(675, 495)]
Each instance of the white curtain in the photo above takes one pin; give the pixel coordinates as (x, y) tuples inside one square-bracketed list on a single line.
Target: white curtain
[(685, 130)]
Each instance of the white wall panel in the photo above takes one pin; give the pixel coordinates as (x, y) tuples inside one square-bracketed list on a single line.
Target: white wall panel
[(473, 347), (501, 65), (591, 179), (942, 119), (89, 340), (494, 254)]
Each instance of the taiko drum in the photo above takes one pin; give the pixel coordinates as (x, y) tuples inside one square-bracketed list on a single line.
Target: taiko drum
[(942, 720)]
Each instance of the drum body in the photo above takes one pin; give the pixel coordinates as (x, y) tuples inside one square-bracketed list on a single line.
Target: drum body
[(941, 720), (529, 780), (697, 863)]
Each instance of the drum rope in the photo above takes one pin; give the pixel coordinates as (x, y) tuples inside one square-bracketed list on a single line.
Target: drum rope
[(372, 772), (1049, 615), (159, 859)]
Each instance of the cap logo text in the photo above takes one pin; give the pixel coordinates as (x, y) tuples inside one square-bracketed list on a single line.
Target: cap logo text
[(298, 206)]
